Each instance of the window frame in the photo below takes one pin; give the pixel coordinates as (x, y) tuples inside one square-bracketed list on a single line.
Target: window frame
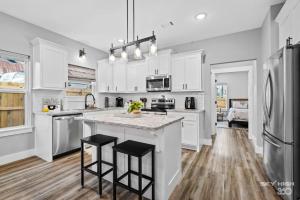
[(27, 127)]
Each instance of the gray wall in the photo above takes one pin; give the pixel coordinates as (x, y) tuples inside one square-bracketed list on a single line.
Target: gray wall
[(237, 84), (240, 46), (15, 35)]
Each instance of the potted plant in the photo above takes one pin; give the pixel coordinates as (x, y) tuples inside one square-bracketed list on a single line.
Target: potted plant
[(135, 107)]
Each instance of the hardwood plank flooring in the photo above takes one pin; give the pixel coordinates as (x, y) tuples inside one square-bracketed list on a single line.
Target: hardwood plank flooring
[(228, 170)]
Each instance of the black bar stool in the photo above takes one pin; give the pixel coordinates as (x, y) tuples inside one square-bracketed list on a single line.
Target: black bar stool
[(137, 149), (98, 141)]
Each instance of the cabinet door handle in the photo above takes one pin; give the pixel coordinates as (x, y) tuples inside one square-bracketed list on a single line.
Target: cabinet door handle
[(157, 71), (116, 88), (108, 88), (182, 124), (186, 86), (183, 86)]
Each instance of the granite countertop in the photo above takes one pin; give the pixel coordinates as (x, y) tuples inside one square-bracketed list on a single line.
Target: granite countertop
[(146, 121), (77, 111), (186, 110)]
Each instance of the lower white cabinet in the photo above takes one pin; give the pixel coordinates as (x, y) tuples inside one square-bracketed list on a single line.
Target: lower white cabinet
[(192, 128), (189, 132)]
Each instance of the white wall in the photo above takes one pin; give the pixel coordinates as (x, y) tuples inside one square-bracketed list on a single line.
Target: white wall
[(237, 84), (15, 36)]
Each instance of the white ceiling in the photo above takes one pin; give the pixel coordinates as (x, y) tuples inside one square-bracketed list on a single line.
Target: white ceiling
[(100, 22)]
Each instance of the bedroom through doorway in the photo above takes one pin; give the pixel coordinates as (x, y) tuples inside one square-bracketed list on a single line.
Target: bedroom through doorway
[(234, 96)]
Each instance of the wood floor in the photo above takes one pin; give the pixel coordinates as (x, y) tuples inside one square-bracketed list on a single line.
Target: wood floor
[(228, 170)]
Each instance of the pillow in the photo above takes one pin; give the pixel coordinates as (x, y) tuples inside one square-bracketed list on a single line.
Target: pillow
[(239, 104)]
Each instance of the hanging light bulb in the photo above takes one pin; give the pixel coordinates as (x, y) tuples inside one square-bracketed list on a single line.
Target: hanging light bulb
[(124, 54), (112, 57), (137, 52), (153, 46)]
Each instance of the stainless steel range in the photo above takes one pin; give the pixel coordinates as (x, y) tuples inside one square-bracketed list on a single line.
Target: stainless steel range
[(161, 104)]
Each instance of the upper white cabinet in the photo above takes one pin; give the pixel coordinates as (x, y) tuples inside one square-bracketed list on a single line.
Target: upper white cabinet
[(119, 77), (105, 76), (160, 64), (50, 68), (187, 72), (136, 76), (288, 20)]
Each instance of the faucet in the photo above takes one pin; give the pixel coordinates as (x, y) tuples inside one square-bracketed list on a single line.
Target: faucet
[(85, 100)]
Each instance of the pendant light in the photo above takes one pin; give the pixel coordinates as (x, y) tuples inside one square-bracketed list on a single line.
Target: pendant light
[(124, 54), (138, 55), (112, 57), (137, 51), (153, 47)]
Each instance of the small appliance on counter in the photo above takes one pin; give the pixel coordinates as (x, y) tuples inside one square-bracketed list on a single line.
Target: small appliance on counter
[(119, 102), (51, 105), (144, 100), (106, 102), (190, 103)]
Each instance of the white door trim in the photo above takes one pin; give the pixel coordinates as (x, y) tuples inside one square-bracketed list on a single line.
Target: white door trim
[(243, 66)]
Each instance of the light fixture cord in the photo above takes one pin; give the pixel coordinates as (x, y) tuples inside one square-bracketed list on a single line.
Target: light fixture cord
[(133, 15), (127, 21)]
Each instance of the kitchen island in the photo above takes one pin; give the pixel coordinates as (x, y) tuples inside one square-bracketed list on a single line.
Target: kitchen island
[(160, 130)]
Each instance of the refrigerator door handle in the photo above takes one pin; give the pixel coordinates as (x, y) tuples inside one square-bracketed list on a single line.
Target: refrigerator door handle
[(268, 109), (272, 143)]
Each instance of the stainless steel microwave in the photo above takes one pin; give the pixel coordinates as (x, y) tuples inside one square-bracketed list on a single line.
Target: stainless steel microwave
[(158, 83)]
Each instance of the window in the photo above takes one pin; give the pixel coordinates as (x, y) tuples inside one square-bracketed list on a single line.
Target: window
[(14, 95), (80, 80), (221, 96)]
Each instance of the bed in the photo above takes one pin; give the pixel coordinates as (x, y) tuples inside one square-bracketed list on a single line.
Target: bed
[(238, 112)]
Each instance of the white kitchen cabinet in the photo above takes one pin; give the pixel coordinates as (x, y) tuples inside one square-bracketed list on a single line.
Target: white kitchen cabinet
[(192, 128), (288, 20), (295, 23), (105, 76), (119, 77), (187, 72), (189, 132), (159, 64), (136, 76), (50, 67), (178, 77)]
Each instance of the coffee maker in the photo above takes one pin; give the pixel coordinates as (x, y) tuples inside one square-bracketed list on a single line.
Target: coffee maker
[(190, 103), (119, 102)]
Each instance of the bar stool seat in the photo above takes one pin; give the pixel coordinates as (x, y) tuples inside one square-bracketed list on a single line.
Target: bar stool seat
[(136, 149), (98, 140)]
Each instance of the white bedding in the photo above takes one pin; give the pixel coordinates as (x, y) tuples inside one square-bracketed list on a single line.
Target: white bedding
[(237, 114)]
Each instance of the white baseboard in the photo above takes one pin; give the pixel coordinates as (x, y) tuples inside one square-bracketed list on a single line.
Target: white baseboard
[(259, 150), (16, 156), (206, 141)]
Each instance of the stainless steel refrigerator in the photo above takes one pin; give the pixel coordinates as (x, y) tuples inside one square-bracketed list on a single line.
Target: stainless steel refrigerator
[(282, 121)]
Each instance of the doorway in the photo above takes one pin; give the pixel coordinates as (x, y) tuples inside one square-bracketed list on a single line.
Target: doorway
[(248, 67)]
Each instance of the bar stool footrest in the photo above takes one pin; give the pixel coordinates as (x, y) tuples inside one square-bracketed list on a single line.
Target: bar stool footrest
[(133, 189)]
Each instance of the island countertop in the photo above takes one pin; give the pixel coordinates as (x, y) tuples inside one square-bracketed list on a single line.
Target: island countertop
[(145, 121)]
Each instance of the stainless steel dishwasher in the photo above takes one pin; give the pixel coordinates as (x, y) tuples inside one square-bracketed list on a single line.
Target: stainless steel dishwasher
[(67, 133)]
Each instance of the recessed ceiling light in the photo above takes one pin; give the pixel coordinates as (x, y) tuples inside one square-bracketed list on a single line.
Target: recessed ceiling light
[(121, 41), (201, 16)]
